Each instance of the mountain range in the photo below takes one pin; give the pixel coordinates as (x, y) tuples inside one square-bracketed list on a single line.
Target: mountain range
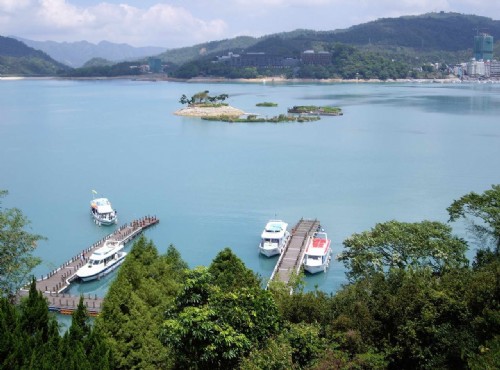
[(433, 37), (76, 54)]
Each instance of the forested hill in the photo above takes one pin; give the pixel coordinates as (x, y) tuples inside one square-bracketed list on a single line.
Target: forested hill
[(20, 60), (429, 33)]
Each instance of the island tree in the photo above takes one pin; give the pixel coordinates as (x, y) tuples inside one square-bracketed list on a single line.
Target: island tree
[(203, 98)]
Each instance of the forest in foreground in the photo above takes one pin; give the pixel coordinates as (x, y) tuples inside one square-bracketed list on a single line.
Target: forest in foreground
[(412, 301)]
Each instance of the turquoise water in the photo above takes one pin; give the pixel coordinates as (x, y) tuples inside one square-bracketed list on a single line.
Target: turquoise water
[(401, 151)]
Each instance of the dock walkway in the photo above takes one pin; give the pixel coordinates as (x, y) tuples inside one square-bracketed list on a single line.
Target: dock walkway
[(290, 261), (55, 283)]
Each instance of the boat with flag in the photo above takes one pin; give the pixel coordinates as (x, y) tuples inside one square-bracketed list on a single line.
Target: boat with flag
[(102, 212)]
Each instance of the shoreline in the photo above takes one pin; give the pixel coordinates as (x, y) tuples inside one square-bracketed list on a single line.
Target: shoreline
[(225, 110), (263, 80)]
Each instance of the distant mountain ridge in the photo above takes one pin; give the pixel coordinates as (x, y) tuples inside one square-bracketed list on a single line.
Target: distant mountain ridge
[(427, 33), (445, 38), (18, 59), (76, 54)]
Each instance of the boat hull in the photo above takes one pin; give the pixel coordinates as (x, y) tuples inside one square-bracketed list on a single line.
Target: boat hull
[(112, 265), (319, 267), (269, 252), (104, 221)]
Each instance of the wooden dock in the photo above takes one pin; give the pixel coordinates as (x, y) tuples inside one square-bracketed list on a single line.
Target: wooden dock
[(55, 283), (290, 261)]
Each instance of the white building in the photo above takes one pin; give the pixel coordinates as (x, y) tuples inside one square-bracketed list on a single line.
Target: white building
[(476, 68)]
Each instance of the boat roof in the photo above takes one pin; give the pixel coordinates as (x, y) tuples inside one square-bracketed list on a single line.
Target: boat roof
[(109, 247), (319, 244), (274, 229), (103, 205)]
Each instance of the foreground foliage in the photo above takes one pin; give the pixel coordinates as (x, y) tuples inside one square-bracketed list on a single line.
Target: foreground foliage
[(30, 338), (16, 250), (483, 213), (402, 245), (220, 315), (413, 302), (133, 310)]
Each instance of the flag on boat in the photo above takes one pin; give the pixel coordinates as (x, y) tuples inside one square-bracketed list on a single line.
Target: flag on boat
[(93, 191)]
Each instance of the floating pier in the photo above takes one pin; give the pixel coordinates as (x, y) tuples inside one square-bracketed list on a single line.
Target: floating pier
[(54, 285), (290, 261)]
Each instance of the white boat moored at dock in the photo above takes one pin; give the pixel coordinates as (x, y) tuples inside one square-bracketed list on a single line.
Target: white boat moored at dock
[(274, 238), (318, 253), (102, 261)]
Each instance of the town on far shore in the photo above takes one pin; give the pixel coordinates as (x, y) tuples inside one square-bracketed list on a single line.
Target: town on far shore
[(481, 66)]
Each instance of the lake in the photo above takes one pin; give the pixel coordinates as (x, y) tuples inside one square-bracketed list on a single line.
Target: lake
[(401, 151)]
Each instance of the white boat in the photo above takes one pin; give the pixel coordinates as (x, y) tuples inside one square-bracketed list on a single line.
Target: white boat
[(274, 238), (318, 253), (102, 261), (102, 212)]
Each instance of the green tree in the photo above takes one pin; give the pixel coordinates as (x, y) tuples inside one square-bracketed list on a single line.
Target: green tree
[(396, 244), (306, 343), (275, 354), (16, 248), (200, 97), (211, 325), (184, 100), (132, 313), (29, 334), (229, 272), (483, 213)]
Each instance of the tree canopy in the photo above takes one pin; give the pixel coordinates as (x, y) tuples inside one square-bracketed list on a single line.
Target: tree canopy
[(395, 244), (412, 302), (16, 250), (219, 316), (483, 213)]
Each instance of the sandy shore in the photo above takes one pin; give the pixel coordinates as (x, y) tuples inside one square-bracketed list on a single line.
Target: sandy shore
[(226, 110)]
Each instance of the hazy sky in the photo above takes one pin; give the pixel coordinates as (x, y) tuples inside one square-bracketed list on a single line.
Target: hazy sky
[(178, 23)]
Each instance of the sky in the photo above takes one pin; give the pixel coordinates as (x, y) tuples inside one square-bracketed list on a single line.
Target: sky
[(176, 23)]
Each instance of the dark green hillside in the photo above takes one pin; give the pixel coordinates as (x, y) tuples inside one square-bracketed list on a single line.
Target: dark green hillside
[(18, 59), (436, 37), (186, 54), (410, 42), (279, 46), (432, 31)]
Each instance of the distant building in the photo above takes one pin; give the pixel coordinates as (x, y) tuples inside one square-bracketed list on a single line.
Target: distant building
[(155, 65), (495, 68), (256, 59), (310, 57), (483, 47), (458, 70), (476, 68)]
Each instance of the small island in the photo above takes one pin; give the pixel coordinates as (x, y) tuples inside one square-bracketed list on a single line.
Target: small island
[(315, 110), (254, 119), (214, 108), (203, 105)]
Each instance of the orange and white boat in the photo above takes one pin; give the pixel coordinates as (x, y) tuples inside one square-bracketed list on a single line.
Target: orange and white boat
[(318, 253)]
